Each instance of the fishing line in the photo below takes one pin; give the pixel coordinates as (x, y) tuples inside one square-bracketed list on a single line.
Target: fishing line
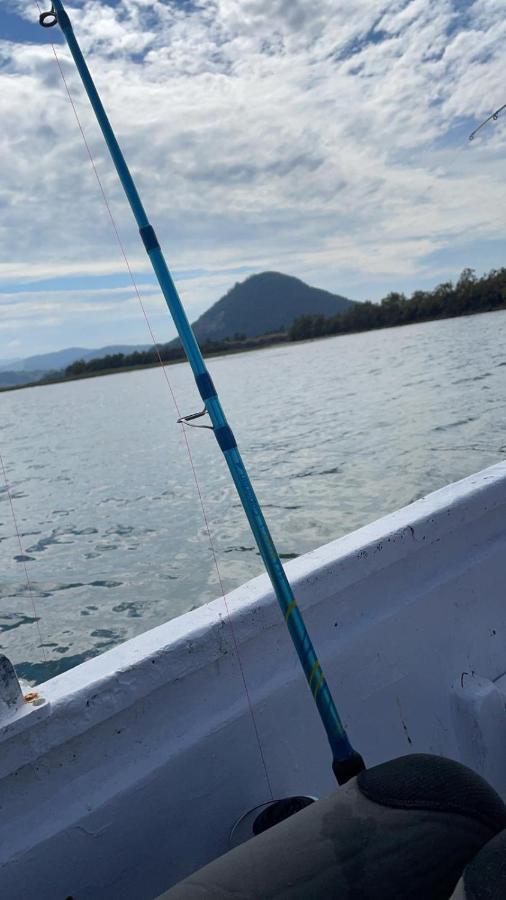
[(432, 183), (23, 558), (181, 421), (434, 180), (460, 149)]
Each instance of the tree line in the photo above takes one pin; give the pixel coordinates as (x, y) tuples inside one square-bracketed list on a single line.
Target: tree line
[(168, 353), (469, 295)]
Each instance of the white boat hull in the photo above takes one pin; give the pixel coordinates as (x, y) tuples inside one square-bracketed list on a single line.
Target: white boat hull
[(135, 768)]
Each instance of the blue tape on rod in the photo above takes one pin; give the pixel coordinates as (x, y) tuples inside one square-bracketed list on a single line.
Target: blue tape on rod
[(225, 438), (205, 385), (149, 238)]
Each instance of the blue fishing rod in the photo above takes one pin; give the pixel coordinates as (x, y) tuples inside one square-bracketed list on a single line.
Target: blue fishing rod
[(346, 762)]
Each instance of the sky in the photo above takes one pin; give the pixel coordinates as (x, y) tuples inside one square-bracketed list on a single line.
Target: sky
[(324, 139)]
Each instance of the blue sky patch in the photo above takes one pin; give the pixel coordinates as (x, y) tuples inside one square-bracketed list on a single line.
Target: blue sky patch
[(255, 151), (18, 29)]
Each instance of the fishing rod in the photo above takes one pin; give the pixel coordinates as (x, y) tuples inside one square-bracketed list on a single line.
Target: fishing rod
[(492, 118), (346, 762)]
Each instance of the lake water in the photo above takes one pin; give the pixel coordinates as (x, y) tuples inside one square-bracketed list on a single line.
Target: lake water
[(335, 433)]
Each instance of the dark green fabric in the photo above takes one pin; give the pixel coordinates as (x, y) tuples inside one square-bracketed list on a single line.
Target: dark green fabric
[(421, 781)]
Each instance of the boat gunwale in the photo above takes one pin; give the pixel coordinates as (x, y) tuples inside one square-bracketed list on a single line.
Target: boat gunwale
[(92, 692)]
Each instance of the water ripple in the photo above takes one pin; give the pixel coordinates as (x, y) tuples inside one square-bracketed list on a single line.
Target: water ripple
[(335, 433)]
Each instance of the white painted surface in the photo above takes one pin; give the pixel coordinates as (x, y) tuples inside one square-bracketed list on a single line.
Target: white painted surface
[(134, 770)]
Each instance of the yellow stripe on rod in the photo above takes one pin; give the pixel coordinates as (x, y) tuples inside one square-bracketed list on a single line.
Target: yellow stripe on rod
[(290, 609), (318, 686), (313, 672)]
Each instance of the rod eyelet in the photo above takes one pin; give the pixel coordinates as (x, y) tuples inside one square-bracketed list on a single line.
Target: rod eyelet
[(48, 19)]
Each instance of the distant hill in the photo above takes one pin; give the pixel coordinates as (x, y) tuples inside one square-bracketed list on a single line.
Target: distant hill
[(22, 371), (10, 364), (262, 304), (47, 362), (11, 379), (265, 303)]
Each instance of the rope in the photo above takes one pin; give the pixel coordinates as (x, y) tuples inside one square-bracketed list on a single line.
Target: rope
[(22, 555), (176, 406)]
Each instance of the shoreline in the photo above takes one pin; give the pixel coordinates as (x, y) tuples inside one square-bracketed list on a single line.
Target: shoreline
[(252, 344), (261, 343)]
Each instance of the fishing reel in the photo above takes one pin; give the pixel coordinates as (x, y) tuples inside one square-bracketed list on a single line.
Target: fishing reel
[(48, 19)]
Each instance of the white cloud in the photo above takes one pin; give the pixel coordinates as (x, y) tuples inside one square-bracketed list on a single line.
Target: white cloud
[(310, 138)]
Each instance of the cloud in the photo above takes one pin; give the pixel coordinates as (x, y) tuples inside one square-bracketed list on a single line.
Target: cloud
[(311, 138)]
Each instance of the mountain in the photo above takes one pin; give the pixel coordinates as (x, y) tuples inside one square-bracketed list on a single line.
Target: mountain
[(10, 364), (47, 362), (266, 302), (23, 371), (12, 379), (43, 362)]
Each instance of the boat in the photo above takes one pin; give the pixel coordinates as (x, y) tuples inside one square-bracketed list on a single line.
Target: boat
[(122, 776)]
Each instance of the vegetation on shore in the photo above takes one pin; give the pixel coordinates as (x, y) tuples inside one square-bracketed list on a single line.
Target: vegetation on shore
[(469, 295), (145, 359)]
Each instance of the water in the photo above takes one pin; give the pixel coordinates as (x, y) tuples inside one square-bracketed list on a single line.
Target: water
[(335, 433)]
